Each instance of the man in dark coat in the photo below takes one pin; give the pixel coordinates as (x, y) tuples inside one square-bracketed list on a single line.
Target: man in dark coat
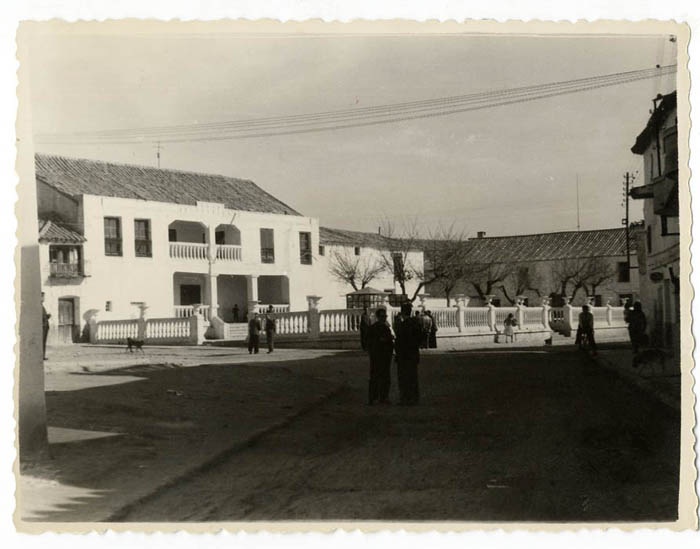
[(637, 327), (364, 328), (380, 345), (409, 333), (586, 326), (270, 330), (44, 322), (254, 329)]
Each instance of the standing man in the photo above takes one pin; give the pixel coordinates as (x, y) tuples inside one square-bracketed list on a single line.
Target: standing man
[(427, 325), (254, 329), (270, 330), (364, 328), (586, 326), (409, 333), (236, 312), (380, 345), (637, 327), (44, 322)]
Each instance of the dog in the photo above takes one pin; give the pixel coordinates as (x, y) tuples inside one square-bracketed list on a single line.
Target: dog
[(132, 344), (650, 360)]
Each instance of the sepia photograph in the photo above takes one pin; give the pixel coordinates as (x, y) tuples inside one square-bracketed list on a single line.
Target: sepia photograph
[(313, 273)]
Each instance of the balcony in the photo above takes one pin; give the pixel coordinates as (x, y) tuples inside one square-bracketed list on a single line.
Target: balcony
[(188, 250), (228, 252), (65, 270)]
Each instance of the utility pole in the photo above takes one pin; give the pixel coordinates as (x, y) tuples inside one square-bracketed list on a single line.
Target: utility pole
[(578, 211), (158, 154), (626, 221)]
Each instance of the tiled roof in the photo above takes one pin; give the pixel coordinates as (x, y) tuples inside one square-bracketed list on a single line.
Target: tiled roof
[(667, 104), (344, 237), (548, 246), (77, 176), (51, 231)]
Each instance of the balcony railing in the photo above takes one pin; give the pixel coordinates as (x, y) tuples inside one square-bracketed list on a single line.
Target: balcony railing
[(66, 270), (228, 252), (188, 250), (186, 311)]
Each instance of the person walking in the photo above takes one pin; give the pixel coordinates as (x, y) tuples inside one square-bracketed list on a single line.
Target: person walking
[(380, 346), (637, 327), (432, 340), (407, 348), (509, 325), (254, 329), (270, 330), (44, 323), (364, 328), (586, 325)]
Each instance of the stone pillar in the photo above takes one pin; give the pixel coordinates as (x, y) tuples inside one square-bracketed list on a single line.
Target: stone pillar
[(568, 315), (608, 313), (314, 317), (211, 240), (520, 315), (492, 313), (212, 295), (252, 289), (142, 321), (545, 312), (422, 306), (460, 313), (92, 323)]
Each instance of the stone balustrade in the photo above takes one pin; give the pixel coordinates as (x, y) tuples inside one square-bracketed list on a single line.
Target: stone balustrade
[(188, 250)]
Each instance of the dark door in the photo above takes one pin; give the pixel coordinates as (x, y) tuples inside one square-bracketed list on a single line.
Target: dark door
[(66, 321), (190, 294)]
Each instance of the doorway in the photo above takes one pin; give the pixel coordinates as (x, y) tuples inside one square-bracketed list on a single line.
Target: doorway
[(68, 330)]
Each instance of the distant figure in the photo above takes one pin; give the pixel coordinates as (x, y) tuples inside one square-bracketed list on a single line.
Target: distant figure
[(236, 313), (509, 325), (432, 341), (426, 326), (408, 339), (254, 329), (637, 327), (380, 344), (364, 328), (44, 323), (270, 330), (586, 326)]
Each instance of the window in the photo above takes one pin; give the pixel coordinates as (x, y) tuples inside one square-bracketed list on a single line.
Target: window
[(357, 250), (305, 248), (397, 259), (219, 237), (623, 271), (108, 306), (172, 235), (267, 245), (597, 300), (496, 302), (113, 236), (669, 226), (65, 261), (142, 237), (321, 250), (649, 239)]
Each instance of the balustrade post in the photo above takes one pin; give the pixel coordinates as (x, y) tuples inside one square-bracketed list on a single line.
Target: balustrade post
[(92, 323), (314, 317), (609, 313), (422, 305), (460, 313)]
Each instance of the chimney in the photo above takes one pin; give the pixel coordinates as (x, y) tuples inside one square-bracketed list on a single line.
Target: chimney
[(481, 234)]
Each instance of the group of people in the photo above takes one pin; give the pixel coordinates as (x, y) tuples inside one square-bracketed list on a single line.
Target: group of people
[(636, 327), (256, 325), (404, 344), (428, 326)]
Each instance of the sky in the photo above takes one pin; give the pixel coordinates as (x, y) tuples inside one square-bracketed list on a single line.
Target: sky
[(506, 170)]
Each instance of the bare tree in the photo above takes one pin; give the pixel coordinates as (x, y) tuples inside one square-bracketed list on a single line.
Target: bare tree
[(521, 278), (574, 274), (598, 271), (444, 253), (357, 271), (487, 277)]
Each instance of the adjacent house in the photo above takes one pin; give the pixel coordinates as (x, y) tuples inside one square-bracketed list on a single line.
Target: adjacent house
[(579, 265), (659, 245)]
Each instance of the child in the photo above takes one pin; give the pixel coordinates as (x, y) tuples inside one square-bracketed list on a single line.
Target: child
[(509, 324)]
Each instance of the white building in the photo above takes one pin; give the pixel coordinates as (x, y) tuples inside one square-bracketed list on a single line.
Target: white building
[(114, 237), (659, 246)]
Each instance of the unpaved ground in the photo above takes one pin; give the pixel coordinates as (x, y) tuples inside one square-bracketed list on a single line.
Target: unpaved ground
[(546, 436)]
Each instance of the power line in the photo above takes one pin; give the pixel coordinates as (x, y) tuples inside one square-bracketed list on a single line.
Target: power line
[(349, 118)]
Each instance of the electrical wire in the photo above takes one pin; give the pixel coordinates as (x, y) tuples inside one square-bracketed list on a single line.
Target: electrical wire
[(350, 118)]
